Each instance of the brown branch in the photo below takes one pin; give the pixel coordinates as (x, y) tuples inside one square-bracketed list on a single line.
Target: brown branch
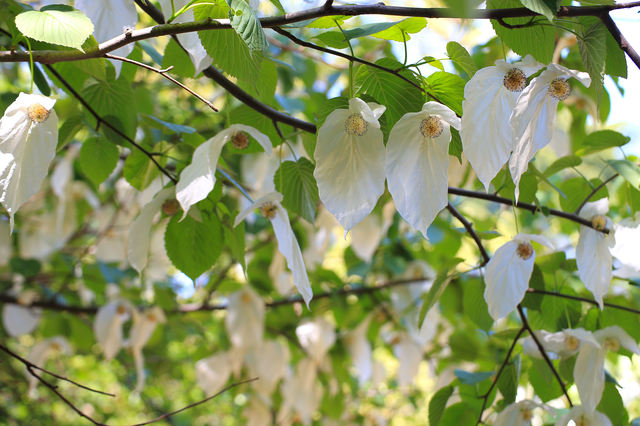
[(195, 404), (583, 299), (619, 38), (525, 324), (164, 74), (57, 376), (485, 396), (592, 193), (525, 206), (469, 227)]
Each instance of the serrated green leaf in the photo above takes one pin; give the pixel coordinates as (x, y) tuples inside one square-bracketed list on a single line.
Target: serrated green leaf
[(402, 28), (616, 64), (245, 22), (538, 40), (229, 52), (234, 239), (193, 246), (295, 181), (508, 381), (475, 306), (561, 164), (435, 291), (458, 54), (599, 140), (97, 159), (612, 405), (139, 170), (548, 8), (455, 147), (438, 403), (593, 50), (396, 94), (542, 380), (628, 170), (68, 129), (177, 57), (446, 88), (112, 98), (57, 24), (576, 190)]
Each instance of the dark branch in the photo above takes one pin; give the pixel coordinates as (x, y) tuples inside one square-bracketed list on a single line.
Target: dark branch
[(525, 206), (525, 324), (583, 299), (469, 227), (619, 38)]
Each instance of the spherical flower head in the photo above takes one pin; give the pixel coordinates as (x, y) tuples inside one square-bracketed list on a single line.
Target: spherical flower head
[(431, 127), (170, 207), (240, 140), (268, 210), (559, 88), (524, 250), (490, 96), (37, 113), (599, 222), (349, 158)]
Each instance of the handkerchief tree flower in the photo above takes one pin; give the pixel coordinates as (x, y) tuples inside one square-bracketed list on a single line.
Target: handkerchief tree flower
[(417, 163), (28, 139), (489, 99), (533, 117), (584, 417), (350, 161), (508, 272)]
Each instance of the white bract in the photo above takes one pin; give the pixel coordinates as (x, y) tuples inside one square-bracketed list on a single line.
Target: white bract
[(198, 178), (409, 354), (489, 99), (144, 324), (301, 392), (588, 372), (584, 417), (18, 320), (42, 351), (213, 372), (110, 18), (366, 235), (271, 208), (269, 362), (593, 255), (107, 326), (190, 41), (508, 273), (28, 140), (417, 163), (518, 414), (245, 319), (359, 348), (534, 115), (627, 246), (564, 343), (350, 161), (316, 337)]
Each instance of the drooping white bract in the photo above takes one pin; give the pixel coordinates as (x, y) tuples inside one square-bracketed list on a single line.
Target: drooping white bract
[(519, 413), (350, 161), (366, 235), (42, 351), (316, 337), (627, 246), (28, 140), (190, 41), (198, 178), (534, 115), (107, 326), (593, 255), (564, 343), (508, 273), (257, 412), (359, 348), (213, 372), (301, 392), (144, 324), (18, 320), (268, 361), (245, 319), (489, 99), (588, 372), (271, 208), (110, 19), (409, 354), (417, 163), (583, 416)]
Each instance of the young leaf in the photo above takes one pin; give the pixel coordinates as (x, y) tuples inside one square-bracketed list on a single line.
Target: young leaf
[(593, 50), (561, 164), (458, 54), (295, 181), (97, 159), (629, 171), (56, 24), (599, 140), (446, 88), (247, 25), (438, 403), (547, 8)]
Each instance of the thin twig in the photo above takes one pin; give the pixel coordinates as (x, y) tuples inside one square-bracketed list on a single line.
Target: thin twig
[(57, 376), (525, 324), (209, 398), (469, 227), (593, 192), (165, 75), (619, 38), (583, 299), (485, 396)]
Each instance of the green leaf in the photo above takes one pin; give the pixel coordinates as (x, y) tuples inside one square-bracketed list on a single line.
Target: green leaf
[(455, 147), (459, 414), (295, 181), (593, 50), (246, 115), (387, 89), (227, 48), (561, 164), (278, 6), (474, 305), (601, 139), (435, 291), (405, 27), (616, 64), (139, 170), (329, 106), (508, 381), (97, 159), (628, 170), (72, 125), (430, 60), (112, 98), (576, 190), (536, 39), (543, 382), (176, 57), (247, 25), (193, 246), (40, 80), (438, 403), (446, 88), (458, 54), (472, 378), (612, 405), (57, 24), (234, 239), (547, 8)]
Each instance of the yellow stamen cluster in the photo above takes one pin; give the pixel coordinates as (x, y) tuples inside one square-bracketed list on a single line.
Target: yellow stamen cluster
[(268, 210), (246, 298), (121, 310), (37, 113), (582, 421), (571, 343), (515, 80), (611, 344), (599, 222), (431, 127), (55, 346), (151, 317), (526, 414), (559, 89), (524, 250), (240, 140), (355, 125), (170, 207)]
